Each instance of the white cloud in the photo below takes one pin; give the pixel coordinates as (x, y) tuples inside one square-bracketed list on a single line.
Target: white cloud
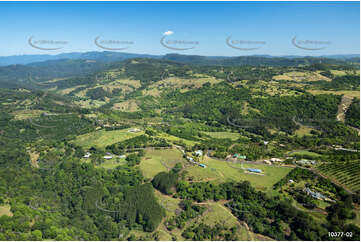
[(168, 32)]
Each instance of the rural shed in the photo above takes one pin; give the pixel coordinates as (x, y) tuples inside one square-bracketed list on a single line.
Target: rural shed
[(254, 170), (203, 165)]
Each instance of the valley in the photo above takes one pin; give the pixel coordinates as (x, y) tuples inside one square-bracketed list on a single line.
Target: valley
[(180, 149)]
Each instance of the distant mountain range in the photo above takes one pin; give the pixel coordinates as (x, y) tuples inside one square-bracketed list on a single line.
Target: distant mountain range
[(18, 72), (107, 56)]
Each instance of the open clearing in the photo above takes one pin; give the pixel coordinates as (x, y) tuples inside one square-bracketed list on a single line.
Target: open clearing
[(222, 171), (301, 76), (155, 161), (5, 210), (223, 135), (303, 130), (175, 138), (126, 106), (113, 163), (102, 138), (342, 108), (346, 93), (216, 213), (305, 152)]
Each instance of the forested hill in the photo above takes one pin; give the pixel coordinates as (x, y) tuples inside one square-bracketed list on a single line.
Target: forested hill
[(255, 60), (17, 75)]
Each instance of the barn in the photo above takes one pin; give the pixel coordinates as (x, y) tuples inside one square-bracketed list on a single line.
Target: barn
[(254, 170)]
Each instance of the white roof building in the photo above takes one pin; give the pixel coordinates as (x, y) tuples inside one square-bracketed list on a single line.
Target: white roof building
[(198, 153), (276, 160), (87, 155)]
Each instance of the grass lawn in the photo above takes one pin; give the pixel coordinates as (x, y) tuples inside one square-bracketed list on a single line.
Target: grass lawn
[(175, 138), (102, 138), (5, 210), (151, 163), (302, 131), (113, 163), (221, 171), (305, 152), (223, 135), (217, 213), (26, 114), (169, 203), (346, 93)]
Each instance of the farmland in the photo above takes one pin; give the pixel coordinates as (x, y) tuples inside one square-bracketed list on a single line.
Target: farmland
[(156, 161), (133, 153), (346, 173), (102, 138), (223, 135), (222, 171)]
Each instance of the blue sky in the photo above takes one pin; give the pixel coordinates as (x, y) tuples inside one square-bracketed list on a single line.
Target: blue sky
[(274, 24)]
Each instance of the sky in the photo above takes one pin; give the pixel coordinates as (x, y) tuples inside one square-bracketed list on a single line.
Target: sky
[(192, 28)]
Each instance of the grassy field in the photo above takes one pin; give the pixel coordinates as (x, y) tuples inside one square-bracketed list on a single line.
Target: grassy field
[(102, 138), (26, 114), (305, 152), (5, 210), (89, 103), (151, 163), (221, 171), (302, 131), (218, 214), (301, 76), (113, 163), (126, 106), (175, 138), (223, 135), (346, 93), (215, 213)]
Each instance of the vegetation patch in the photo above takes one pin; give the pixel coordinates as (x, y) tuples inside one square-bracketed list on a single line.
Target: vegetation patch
[(102, 138), (156, 161)]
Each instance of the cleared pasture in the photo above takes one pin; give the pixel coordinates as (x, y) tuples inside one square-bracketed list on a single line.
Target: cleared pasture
[(102, 138), (155, 161), (223, 135), (221, 171)]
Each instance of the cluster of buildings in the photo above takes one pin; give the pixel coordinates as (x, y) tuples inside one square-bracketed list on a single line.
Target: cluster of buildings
[(107, 156), (197, 153), (315, 195), (272, 160), (134, 130), (306, 162), (191, 160)]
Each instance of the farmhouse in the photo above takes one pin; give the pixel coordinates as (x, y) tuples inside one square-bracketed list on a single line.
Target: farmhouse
[(267, 162), (315, 195), (254, 170), (122, 156), (108, 156), (134, 130), (276, 160), (87, 155)]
